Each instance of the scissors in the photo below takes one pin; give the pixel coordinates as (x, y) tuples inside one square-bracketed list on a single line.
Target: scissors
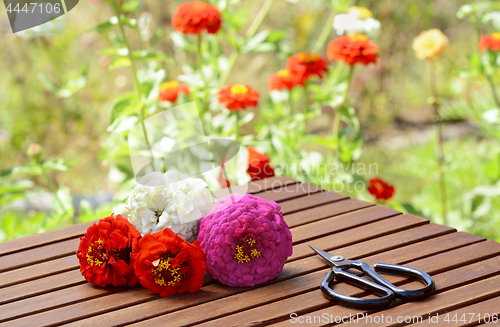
[(388, 292)]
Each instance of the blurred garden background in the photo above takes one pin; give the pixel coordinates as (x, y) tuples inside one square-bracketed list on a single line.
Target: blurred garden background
[(64, 87)]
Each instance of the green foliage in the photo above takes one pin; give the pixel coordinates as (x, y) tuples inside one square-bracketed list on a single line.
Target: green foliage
[(304, 132)]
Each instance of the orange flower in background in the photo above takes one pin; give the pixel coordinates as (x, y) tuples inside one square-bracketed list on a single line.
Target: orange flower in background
[(283, 79), (169, 91), (166, 264), (258, 165), (194, 17), (430, 44), (307, 64), (237, 96), (380, 189), (352, 49), (104, 252), (491, 41)]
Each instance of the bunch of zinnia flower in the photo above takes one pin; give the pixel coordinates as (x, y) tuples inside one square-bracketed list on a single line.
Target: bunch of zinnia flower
[(112, 252)]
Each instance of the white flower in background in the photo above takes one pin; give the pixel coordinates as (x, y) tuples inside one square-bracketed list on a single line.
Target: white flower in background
[(171, 200), (51, 28), (357, 20)]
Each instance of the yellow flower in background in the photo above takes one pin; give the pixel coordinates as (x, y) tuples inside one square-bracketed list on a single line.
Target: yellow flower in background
[(360, 12), (430, 44)]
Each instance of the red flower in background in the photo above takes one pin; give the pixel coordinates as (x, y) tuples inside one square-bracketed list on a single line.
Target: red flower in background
[(104, 252), (258, 165), (491, 42), (169, 91), (380, 189), (283, 80), (352, 49), (221, 179), (194, 17), (237, 96), (306, 64), (166, 264)]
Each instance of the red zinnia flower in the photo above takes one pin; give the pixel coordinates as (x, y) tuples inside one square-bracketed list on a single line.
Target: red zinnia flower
[(380, 189), (169, 91), (166, 264), (352, 49), (491, 42), (237, 96), (307, 64), (194, 17), (283, 80), (258, 165), (104, 252)]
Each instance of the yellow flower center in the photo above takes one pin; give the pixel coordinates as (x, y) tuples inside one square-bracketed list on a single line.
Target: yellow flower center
[(496, 36), (169, 85), (245, 253), (358, 37), (360, 12), (96, 255), (164, 274), (283, 73), (308, 57), (239, 89)]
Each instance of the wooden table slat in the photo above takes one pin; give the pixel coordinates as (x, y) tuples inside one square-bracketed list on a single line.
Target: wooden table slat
[(273, 309), (293, 269), (40, 282), (480, 259)]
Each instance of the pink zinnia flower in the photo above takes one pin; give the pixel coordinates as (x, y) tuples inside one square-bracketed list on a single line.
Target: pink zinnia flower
[(245, 243)]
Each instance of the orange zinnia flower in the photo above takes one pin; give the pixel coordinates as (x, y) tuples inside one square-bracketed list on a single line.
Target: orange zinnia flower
[(352, 49), (283, 80), (307, 64), (258, 165), (491, 42), (380, 189), (237, 96), (169, 91), (104, 252), (194, 17), (166, 264)]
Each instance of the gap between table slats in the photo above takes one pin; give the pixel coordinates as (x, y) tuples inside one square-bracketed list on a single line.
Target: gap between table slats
[(467, 265), (37, 303), (261, 308), (293, 269)]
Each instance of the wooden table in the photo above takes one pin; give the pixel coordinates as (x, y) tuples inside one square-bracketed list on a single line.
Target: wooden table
[(40, 283)]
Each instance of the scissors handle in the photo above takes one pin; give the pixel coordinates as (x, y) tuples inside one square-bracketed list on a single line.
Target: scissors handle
[(386, 298), (398, 270)]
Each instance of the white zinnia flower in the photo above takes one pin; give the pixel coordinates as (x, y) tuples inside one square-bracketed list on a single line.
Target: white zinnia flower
[(357, 20), (171, 200)]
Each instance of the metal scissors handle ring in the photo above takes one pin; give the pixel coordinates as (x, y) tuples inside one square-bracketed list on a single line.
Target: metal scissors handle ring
[(386, 291)]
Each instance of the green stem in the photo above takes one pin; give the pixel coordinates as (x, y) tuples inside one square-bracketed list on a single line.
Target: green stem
[(336, 119), (324, 33), (440, 143), (238, 118), (306, 97), (493, 91), (250, 33), (290, 103), (51, 185), (137, 84), (53, 63)]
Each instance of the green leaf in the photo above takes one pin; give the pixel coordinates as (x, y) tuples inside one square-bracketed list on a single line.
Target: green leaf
[(125, 104), (255, 41), (131, 6), (158, 35), (47, 83), (107, 25)]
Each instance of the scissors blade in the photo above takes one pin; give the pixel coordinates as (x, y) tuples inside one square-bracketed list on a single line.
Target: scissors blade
[(324, 255)]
